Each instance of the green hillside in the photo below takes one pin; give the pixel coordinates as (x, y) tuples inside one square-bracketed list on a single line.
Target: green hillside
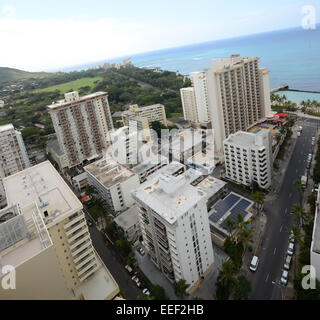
[(10, 74)]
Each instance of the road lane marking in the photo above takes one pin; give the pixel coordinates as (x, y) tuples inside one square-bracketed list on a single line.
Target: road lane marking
[(267, 277), (286, 210), (274, 251), (281, 228), (290, 195)]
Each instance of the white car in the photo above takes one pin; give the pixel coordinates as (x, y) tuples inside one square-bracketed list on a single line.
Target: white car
[(146, 292), (291, 237), (287, 263), (284, 277), (134, 278), (254, 263), (290, 249)]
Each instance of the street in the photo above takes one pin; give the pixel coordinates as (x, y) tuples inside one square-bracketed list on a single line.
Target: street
[(117, 270), (272, 251)]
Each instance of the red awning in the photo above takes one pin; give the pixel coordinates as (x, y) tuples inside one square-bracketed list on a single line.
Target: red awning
[(84, 198), (282, 115)]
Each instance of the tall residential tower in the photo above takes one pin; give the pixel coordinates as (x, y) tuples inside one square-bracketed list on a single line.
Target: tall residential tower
[(82, 125)]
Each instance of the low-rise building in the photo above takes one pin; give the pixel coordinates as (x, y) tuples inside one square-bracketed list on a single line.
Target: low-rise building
[(228, 208), (152, 113), (248, 158), (129, 222), (113, 182), (80, 181)]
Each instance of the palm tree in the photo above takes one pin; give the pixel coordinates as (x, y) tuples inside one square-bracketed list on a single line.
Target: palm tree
[(297, 235), (180, 288), (245, 235), (259, 198), (227, 273), (230, 225), (299, 213), (298, 186)]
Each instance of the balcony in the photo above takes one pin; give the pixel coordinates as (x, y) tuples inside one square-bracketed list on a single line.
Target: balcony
[(75, 235), (88, 272), (79, 241), (85, 260), (82, 254), (78, 225)]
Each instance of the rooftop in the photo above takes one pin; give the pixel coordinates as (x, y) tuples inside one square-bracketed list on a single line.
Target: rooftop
[(6, 127), (246, 139), (63, 102), (21, 238), (170, 196), (128, 218), (229, 207), (41, 186), (108, 171), (149, 163)]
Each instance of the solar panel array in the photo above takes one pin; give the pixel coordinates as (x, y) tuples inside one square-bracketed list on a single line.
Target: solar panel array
[(223, 206), (239, 208)]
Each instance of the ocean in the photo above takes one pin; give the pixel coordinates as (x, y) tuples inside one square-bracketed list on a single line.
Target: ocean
[(292, 56)]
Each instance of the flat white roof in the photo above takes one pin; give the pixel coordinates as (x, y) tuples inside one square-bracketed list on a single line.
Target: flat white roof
[(100, 286), (170, 196), (42, 184), (6, 127), (63, 102), (128, 218)]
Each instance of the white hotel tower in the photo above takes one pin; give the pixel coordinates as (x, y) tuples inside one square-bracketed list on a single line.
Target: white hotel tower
[(175, 227)]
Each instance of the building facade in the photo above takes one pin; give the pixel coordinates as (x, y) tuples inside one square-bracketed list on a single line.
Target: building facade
[(113, 182), (238, 95), (13, 154), (82, 125), (152, 113), (175, 227), (248, 158), (54, 226)]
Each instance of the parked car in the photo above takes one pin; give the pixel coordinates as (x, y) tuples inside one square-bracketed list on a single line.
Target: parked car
[(287, 263), (128, 268), (290, 249), (141, 251), (284, 277), (134, 278), (315, 188), (254, 263), (291, 237), (146, 292), (89, 223), (138, 283)]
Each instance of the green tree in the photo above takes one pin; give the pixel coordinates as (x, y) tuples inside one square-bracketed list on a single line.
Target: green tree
[(298, 186), (157, 293), (226, 280), (312, 198), (242, 288), (299, 214), (124, 246), (230, 226), (259, 198), (180, 288)]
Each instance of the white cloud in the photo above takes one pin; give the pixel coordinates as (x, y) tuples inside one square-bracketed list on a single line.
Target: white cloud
[(48, 44), (8, 11)]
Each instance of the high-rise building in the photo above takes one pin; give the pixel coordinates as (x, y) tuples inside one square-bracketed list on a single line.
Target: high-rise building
[(248, 158), (238, 95), (195, 100), (82, 125), (45, 237), (13, 154), (175, 226)]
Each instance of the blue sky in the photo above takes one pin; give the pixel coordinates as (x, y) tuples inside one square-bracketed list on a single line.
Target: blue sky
[(42, 35)]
